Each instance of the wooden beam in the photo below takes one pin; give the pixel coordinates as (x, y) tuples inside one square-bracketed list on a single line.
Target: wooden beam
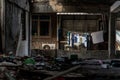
[(63, 72), (112, 37), (115, 7)]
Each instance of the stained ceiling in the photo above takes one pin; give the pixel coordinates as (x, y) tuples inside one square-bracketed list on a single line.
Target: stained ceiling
[(93, 6)]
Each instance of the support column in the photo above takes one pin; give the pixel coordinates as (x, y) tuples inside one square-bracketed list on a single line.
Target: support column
[(2, 25), (112, 35), (59, 31)]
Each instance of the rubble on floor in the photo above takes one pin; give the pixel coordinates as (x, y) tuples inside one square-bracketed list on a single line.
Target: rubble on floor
[(59, 68)]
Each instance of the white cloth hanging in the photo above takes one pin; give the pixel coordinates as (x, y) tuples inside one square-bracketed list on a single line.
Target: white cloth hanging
[(97, 37)]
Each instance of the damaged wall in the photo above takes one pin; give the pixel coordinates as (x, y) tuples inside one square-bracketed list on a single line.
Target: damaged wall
[(13, 26), (68, 6)]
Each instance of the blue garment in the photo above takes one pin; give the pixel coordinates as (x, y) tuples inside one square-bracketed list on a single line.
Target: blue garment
[(72, 40), (75, 39)]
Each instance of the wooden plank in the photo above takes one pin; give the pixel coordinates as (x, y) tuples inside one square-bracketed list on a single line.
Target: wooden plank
[(63, 72)]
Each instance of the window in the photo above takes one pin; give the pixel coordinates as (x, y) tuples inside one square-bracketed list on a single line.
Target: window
[(41, 25), (44, 28), (34, 27)]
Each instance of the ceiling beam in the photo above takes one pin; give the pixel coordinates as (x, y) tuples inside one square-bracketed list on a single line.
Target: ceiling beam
[(115, 7)]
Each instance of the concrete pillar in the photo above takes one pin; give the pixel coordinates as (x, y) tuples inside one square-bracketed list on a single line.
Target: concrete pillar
[(59, 31), (2, 14), (112, 36)]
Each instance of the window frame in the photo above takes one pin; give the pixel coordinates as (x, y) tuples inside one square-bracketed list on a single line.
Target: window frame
[(38, 20)]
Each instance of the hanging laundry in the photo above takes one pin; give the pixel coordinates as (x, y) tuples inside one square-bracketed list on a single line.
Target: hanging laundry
[(72, 40), (76, 38), (68, 38), (97, 37)]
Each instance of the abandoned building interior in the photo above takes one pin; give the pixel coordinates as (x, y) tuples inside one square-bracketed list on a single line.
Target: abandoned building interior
[(50, 25), (60, 28)]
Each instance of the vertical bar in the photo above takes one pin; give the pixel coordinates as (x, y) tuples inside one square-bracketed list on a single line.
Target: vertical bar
[(112, 37)]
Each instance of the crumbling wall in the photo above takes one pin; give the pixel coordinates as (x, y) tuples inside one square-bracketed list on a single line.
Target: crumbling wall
[(12, 26), (13, 23)]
